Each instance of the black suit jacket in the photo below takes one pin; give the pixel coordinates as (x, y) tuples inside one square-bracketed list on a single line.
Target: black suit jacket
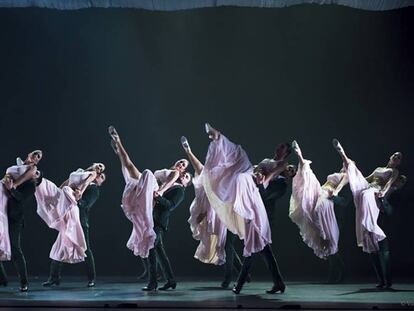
[(274, 191), (88, 199), (165, 205), (17, 200)]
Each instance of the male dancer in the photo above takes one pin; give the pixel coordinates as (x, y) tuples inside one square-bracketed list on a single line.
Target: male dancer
[(271, 188), (163, 207), (89, 197)]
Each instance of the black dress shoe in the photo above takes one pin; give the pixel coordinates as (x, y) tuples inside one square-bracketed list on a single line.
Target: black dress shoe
[(237, 288), (168, 285), (388, 286), (380, 285), (150, 287), (277, 288), (24, 287), (91, 283), (51, 282)]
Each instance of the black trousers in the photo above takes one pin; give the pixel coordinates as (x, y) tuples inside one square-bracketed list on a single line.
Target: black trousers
[(381, 262), (17, 256), (270, 260), (56, 266), (233, 262), (158, 254)]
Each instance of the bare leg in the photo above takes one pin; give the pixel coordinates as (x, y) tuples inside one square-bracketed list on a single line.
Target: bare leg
[(341, 151), (123, 155), (298, 152), (195, 162)]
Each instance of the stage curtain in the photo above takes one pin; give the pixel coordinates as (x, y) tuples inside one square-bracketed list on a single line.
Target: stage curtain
[(173, 5)]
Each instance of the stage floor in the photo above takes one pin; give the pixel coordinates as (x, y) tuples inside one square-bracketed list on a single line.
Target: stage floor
[(205, 295)]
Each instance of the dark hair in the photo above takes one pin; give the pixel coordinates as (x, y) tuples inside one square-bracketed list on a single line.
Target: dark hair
[(191, 179), (39, 178)]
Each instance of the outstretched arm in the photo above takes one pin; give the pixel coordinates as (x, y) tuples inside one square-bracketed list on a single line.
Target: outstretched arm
[(280, 167), (195, 162), (29, 174), (387, 187), (171, 179)]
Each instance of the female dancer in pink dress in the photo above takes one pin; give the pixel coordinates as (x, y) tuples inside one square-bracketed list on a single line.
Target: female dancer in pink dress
[(312, 207), (366, 192), (138, 196), (16, 187), (215, 242), (57, 206), (229, 186)]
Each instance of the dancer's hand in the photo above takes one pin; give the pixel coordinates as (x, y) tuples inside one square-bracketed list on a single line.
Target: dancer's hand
[(381, 194), (158, 194), (77, 194), (331, 194), (185, 144), (8, 182)]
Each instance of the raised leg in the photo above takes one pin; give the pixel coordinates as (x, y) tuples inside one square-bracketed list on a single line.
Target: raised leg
[(123, 156), (195, 162)]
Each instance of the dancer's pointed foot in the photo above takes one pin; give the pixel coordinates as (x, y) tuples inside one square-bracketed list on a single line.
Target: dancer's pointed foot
[(296, 148), (213, 134), (185, 144), (336, 144), (113, 133)]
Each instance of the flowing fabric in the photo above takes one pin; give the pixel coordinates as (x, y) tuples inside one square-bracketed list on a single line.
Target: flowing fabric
[(59, 210), (137, 204), (231, 191), (15, 172), (5, 250), (313, 212), (211, 232), (368, 232)]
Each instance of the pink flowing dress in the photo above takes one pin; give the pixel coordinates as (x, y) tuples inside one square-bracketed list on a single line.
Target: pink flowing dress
[(313, 212), (59, 210), (232, 192), (210, 232), (368, 233), (5, 251), (137, 204)]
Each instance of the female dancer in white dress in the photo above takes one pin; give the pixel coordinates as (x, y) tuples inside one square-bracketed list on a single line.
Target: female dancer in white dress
[(312, 207), (229, 186), (138, 196), (366, 192), (57, 206), (16, 187)]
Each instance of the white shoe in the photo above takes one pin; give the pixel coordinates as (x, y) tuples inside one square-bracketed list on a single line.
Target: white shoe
[(114, 134), (185, 144), (337, 145)]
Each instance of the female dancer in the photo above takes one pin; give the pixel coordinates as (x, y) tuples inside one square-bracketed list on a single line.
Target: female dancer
[(312, 209), (58, 208), (366, 191), (216, 244), (16, 187), (138, 196)]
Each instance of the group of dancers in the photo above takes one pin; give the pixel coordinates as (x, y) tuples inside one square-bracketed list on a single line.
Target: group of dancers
[(232, 198)]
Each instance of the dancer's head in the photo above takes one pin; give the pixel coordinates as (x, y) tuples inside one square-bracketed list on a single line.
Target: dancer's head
[(38, 177), (34, 157), (259, 175), (100, 179), (185, 179), (290, 171), (181, 165), (97, 167), (395, 160)]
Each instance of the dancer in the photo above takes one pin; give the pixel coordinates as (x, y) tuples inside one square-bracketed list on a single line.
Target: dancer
[(366, 192), (147, 202), (312, 210), (216, 242), (58, 208), (89, 198), (232, 192), (272, 186), (17, 187)]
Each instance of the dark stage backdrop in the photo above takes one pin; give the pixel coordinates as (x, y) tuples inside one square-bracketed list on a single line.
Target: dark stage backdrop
[(308, 73)]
